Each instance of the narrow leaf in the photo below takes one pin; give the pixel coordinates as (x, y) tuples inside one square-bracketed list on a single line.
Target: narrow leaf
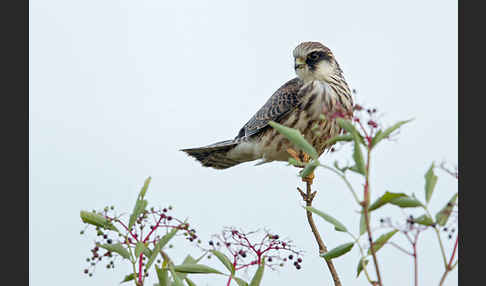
[(430, 182), (189, 282), (294, 162), (362, 224), (160, 244), (384, 199), (163, 275), (224, 259), (360, 265), (96, 220), (338, 251), (177, 279), (443, 215), (128, 277), (349, 127), (189, 260), (240, 281), (406, 202), (358, 158), (145, 187), (339, 138), (139, 248), (424, 220), (296, 138), (195, 268), (337, 225), (309, 168), (381, 135), (117, 248), (139, 208), (382, 240), (257, 278)]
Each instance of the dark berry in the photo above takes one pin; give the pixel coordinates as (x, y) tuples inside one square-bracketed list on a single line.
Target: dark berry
[(297, 266), (299, 260), (109, 241), (291, 257), (85, 271)]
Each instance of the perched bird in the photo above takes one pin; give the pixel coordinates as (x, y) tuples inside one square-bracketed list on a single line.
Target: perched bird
[(319, 86)]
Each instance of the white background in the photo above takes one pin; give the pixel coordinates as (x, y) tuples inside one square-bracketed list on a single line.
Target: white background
[(118, 87)]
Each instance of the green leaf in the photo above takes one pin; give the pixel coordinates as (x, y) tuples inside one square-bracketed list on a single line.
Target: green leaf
[(195, 269), (240, 281), (145, 187), (163, 275), (147, 252), (309, 168), (382, 240), (424, 220), (160, 244), (430, 181), (338, 251), (296, 138), (384, 199), (294, 162), (443, 215), (177, 279), (381, 135), (339, 138), (349, 127), (189, 260), (337, 225), (97, 220), (139, 208), (362, 224), (257, 278), (358, 159), (117, 248), (406, 202), (139, 248), (360, 265), (343, 169), (128, 277), (224, 259), (189, 282)]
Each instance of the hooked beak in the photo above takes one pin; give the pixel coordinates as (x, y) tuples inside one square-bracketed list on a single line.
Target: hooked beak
[(299, 63)]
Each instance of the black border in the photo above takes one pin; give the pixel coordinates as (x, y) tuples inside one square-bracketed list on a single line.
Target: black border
[(14, 134)]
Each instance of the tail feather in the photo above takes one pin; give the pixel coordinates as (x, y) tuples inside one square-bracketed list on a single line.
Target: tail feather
[(214, 155)]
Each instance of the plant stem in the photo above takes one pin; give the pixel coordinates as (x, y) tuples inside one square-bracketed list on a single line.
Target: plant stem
[(308, 197), (449, 266), (366, 214), (415, 259)]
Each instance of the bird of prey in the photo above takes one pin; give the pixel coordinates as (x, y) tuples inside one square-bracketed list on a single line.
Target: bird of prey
[(298, 103)]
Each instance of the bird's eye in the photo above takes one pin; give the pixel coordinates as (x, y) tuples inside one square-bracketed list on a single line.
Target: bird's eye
[(314, 56)]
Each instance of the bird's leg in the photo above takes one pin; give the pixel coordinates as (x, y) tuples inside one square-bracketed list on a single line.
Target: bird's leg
[(294, 154), (302, 157), (306, 158)]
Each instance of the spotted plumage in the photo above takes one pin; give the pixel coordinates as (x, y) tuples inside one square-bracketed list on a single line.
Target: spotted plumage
[(319, 86)]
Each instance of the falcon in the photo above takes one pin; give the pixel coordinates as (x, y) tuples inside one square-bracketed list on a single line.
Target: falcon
[(318, 88)]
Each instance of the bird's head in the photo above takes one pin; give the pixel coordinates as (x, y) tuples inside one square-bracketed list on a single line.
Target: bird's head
[(314, 61)]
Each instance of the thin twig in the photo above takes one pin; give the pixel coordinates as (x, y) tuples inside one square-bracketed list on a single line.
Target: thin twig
[(449, 266), (366, 213), (308, 197)]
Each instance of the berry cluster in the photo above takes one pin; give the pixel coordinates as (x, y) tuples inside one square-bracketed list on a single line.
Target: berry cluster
[(149, 227), (249, 248)]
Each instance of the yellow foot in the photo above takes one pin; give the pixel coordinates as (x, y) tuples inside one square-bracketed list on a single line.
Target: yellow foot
[(304, 158)]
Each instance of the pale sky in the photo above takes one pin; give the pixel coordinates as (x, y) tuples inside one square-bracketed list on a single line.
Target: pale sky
[(118, 87)]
